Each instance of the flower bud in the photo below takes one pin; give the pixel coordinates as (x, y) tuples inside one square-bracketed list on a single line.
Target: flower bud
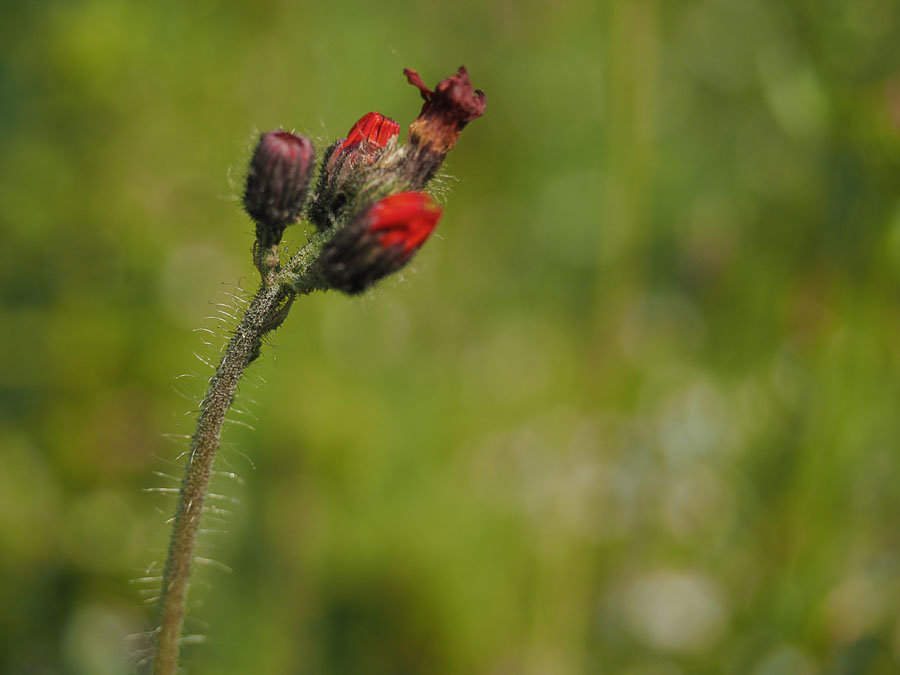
[(345, 162), (378, 242), (277, 183), (372, 129)]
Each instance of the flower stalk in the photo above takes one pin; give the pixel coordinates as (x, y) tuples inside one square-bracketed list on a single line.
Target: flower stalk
[(241, 351), (369, 219), (265, 313)]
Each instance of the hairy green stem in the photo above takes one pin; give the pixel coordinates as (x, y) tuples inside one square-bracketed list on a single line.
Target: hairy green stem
[(266, 312), (241, 351)]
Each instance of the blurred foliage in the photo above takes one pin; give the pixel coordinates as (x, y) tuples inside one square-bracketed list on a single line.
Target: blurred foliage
[(635, 410)]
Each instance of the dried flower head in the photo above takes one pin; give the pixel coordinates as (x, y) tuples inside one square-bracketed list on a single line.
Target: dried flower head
[(450, 107), (453, 104)]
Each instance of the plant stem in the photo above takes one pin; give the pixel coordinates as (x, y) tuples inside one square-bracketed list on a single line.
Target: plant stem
[(265, 312)]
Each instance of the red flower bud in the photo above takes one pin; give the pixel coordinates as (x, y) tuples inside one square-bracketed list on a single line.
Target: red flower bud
[(344, 162), (379, 242), (374, 128), (277, 183)]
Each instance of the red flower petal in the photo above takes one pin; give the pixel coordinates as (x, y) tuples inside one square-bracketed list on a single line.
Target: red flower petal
[(374, 128), (405, 219)]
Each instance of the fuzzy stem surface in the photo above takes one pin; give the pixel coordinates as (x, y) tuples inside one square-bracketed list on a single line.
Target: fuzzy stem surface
[(243, 348), (269, 308)]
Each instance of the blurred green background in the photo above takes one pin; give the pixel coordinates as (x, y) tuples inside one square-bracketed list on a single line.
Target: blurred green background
[(633, 410)]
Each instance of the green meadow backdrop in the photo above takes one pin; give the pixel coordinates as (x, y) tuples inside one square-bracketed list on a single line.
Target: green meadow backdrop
[(634, 409)]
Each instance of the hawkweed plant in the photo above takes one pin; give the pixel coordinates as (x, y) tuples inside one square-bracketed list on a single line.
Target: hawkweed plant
[(370, 216)]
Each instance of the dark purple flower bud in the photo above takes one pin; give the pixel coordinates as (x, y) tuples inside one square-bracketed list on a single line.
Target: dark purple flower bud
[(277, 183)]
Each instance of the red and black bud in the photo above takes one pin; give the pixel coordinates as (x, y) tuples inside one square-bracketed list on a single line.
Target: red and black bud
[(277, 183), (378, 242), (453, 104), (344, 163)]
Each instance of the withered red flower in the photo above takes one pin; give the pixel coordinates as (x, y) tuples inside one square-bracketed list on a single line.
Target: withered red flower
[(378, 242), (453, 104), (277, 182)]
